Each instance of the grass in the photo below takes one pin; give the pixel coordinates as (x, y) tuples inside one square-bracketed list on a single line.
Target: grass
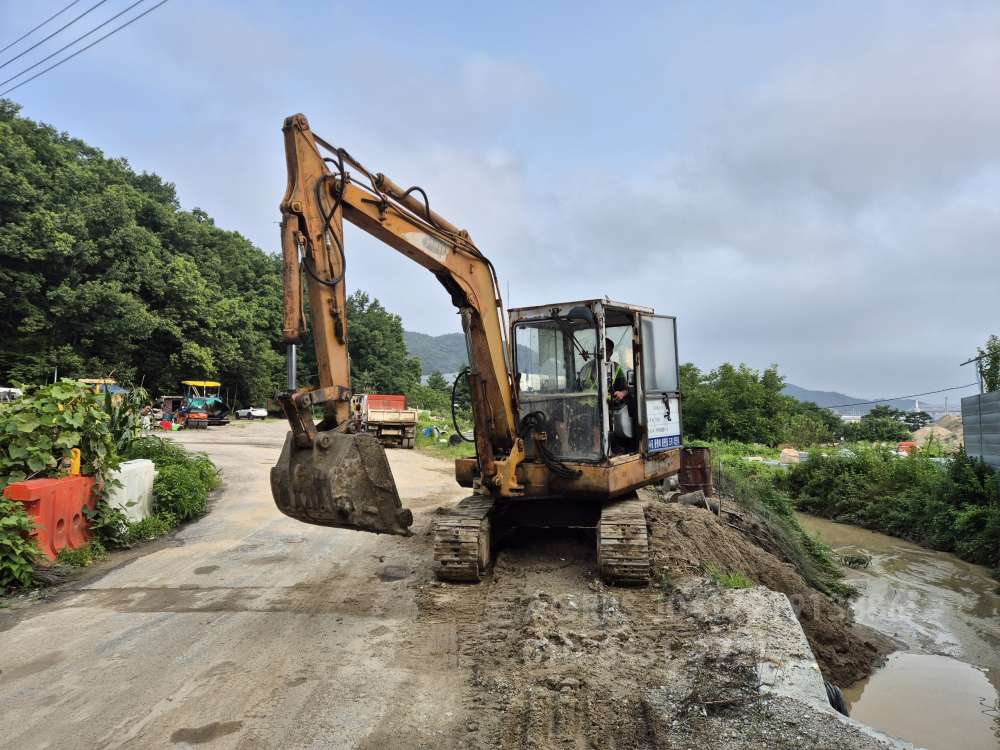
[(82, 557), (759, 494), (727, 579), (432, 445), (150, 528)]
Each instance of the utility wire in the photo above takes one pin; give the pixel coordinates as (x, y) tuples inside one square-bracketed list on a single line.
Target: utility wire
[(66, 46), (897, 398), (83, 49), (29, 33), (24, 52)]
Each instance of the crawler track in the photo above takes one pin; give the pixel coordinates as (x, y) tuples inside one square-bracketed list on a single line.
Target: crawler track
[(462, 543), (623, 543)]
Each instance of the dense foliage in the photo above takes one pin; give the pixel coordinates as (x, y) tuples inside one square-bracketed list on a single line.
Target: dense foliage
[(17, 550), (955, 508), (38, 431), (743, 404), (102, 273), (183, 481), (883, 424)]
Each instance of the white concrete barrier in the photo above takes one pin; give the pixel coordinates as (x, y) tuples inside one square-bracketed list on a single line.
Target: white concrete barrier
[(135, 486)]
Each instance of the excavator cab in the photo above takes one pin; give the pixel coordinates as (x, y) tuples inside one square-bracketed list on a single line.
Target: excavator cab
[(571, 358)]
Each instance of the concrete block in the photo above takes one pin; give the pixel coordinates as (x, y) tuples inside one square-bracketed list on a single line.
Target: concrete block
[(135, 480)]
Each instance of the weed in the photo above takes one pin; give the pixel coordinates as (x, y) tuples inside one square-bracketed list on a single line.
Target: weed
[(150, 528), (663, 582), (17, 550), (727, 579), (82, 557)]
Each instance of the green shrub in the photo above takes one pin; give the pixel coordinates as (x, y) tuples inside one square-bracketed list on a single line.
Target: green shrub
[(149, 528), (82, 557), (38, 431), (17, 550), (179, 491), (107, 524), (183, 479), (954, 508)]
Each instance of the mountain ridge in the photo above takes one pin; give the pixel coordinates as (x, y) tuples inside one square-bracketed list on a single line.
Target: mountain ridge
[(446, 353)]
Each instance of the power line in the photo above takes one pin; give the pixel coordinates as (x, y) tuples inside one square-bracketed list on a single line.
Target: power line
[(29, 33), (66, 46), (83, 49), (24, 52), (897, 398)]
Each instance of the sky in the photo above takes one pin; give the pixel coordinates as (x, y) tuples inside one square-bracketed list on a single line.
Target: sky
[(812, 185)]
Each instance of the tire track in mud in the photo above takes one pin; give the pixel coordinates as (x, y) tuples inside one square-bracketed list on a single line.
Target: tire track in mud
[(554, 659)]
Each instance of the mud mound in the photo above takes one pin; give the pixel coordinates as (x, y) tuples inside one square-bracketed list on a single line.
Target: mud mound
[(941, 434), (558, 660), (685, 539), (952, 422)]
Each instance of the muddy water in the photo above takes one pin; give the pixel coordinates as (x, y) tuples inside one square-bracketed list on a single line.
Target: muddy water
[(942, 689)]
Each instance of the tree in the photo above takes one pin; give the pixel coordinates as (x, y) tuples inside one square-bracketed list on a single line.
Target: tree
[(379, 359), (916, 420), (881, 424), (101, 273), (989, 365), (436, 381), (883, 411)]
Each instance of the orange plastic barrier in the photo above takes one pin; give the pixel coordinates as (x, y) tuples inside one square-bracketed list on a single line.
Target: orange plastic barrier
[(56, 506)]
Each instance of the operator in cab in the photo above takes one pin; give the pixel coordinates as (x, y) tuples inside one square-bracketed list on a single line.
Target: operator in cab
[(617, 381)]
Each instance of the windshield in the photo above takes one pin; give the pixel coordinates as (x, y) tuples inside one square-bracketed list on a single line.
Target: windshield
[(559, 376)]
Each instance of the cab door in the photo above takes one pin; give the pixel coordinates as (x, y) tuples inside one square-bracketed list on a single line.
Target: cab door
[(660, 405)]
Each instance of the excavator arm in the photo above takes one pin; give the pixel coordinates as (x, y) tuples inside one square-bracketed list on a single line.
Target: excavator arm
[(326, 474)]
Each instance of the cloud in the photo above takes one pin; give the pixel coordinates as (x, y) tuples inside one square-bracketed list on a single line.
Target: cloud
[(815, 187)]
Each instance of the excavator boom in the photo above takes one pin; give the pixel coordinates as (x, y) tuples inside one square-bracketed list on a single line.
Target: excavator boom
[(326, 474)]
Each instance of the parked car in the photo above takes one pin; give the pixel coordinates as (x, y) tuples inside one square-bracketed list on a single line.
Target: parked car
[(251, 412), (10, 394)]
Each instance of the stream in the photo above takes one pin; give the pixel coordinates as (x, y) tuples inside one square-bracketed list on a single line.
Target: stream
[(941, 690)]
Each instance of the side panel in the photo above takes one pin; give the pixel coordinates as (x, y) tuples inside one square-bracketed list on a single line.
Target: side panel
[(660, 407), (663, 422)]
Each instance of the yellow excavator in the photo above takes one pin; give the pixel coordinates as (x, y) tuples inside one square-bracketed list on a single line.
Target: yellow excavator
[(575, 405)]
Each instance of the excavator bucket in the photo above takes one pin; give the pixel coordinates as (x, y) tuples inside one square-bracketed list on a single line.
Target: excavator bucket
[(342, 480)]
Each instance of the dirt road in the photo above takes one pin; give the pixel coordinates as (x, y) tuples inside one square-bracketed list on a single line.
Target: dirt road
[(250, 630)]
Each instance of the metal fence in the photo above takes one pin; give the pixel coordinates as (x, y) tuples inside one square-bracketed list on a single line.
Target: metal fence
[(981, 426)]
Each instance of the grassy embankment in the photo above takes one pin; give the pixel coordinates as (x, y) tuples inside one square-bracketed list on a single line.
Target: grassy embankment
[(951, 505)]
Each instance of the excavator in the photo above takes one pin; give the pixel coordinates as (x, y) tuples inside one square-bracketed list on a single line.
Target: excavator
[(557, 444)]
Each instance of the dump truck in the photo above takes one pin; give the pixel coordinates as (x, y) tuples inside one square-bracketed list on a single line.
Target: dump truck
[(387, 417), (575, 404)]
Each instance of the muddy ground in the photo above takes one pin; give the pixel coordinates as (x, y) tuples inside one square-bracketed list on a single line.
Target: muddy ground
[(250, 630), (685, 539)]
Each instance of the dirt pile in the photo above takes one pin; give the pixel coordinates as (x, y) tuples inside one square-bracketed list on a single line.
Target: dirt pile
[(952, 422), (558, 660), (685, 539), (941, 434)]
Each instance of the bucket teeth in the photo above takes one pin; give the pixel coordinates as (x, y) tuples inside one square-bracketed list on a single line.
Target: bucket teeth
[(342, 480)]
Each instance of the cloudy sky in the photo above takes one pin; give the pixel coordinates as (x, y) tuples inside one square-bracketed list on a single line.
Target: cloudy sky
[(813, 186)]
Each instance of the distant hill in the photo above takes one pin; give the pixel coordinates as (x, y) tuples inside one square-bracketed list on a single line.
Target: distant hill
[(444, 353), (833, 398)]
